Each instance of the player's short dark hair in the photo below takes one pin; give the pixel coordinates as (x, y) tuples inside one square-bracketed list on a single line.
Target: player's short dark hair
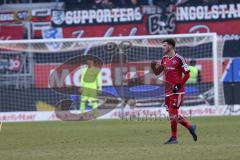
[(170, 41), (193, 62), (90, 57)]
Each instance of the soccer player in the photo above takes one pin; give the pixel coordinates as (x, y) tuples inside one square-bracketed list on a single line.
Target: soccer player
[(176, 73), (91, 85)]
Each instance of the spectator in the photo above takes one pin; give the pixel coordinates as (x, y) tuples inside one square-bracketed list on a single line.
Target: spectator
[(194, 2), (134, 2), (12, 1), (119, 3), (228, 1), (126, 3), (210, 2), (24, 1), (106, 4), (195, 75), (103, 4), (181, 2), (91, 85)]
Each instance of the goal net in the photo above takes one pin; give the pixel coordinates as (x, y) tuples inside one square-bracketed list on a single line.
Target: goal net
[(35, 75)]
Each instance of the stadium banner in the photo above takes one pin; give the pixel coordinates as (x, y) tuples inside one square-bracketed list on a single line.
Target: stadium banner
[(12, 64), (6, 32), (7, 17), (137, 113), (157, 112), (145, 20), (216, 12), (109, 75), (220, 18), (15, 16), (62, 18), (41, 19)]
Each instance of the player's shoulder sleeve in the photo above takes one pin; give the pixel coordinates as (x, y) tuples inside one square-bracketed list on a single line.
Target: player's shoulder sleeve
[(183, 63)]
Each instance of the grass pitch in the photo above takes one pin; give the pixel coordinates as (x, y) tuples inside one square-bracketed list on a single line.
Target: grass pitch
[(119, 140)]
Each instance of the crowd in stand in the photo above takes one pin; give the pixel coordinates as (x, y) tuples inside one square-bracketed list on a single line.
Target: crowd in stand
[(124, 3)]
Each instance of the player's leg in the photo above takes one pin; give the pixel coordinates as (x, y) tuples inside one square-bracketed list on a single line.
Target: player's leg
[(93, 101), (83, 103), (183, 121), (173, 112)]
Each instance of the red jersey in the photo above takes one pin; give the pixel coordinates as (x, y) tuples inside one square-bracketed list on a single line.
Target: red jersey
[(174, 70)]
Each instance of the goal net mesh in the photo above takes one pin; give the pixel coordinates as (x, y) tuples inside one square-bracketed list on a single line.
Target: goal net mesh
[(36, 74)]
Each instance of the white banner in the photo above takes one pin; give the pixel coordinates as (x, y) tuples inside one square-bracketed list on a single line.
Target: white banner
[(99, 16), (136, 113), (204, 13)]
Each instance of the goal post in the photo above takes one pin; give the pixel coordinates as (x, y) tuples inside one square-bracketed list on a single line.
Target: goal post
[(40, 82), (215, 70)]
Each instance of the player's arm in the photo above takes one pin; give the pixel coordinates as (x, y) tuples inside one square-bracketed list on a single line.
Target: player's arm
[(186, 76), (186, 72), (156, 67)]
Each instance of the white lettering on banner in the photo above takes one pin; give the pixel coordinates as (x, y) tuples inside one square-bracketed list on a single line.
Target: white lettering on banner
[(57, 79), (158, 112), (230, 37), (151, 9), (101, 16), (6, 17), (149, 112), (108, 33), (110, 76), (65, 78), (214, 12)]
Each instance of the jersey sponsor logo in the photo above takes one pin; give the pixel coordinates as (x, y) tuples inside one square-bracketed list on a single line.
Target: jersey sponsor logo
[(174, 62), (170, 68)]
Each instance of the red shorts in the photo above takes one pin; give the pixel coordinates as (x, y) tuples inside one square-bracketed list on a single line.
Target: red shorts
[(173, 102)]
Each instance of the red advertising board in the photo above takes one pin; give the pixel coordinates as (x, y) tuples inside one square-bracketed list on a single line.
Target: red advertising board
[(110, 74), (105, 30), (226, 28), (10, 32)]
